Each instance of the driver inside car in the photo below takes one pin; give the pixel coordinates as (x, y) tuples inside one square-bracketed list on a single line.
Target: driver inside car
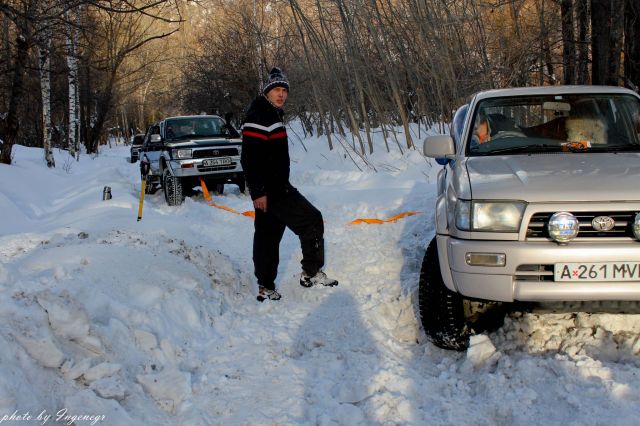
[(482, 131)]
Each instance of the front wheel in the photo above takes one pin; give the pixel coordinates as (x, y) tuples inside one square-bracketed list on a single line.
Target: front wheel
[(441, 310), (448, 318), (172, 188)]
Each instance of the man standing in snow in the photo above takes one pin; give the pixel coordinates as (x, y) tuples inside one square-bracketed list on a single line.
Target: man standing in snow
[(265, 160)]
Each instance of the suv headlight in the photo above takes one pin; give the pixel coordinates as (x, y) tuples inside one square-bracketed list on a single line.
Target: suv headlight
[(489, 216), (182, 153)]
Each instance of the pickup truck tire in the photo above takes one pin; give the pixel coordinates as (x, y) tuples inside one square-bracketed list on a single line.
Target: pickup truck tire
[(172, 188), (441, 310)]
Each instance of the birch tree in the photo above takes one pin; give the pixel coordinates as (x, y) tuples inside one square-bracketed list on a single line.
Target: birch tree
[(73, 140), (45, 90)]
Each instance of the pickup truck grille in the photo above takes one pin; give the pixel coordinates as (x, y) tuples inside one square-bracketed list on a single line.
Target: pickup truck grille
[(214, 152), (537, 228)]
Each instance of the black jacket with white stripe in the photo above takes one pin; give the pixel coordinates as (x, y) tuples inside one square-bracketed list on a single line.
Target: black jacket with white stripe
[(265, 150)]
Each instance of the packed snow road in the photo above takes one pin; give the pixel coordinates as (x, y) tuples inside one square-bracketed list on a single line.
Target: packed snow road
[(105, 320)]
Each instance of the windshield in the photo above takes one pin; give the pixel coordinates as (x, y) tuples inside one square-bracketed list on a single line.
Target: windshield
[(195, 127), (556, 123)]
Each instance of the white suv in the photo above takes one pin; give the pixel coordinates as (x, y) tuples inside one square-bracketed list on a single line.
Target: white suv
[(538, 200)]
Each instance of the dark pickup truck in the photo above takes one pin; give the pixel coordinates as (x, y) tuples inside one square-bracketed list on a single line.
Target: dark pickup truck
[(183, 149)]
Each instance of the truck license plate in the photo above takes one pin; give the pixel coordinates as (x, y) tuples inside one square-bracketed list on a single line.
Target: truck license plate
[(601, 271), (222, 161)]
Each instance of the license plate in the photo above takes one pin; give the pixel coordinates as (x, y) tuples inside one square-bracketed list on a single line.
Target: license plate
[(601, 271), (222, 161)]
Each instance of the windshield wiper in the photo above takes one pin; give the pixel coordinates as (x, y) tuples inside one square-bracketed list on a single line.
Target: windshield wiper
[(525, 149)]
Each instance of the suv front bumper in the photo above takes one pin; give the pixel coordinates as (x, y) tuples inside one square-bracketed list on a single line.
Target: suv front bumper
[(528, 272)]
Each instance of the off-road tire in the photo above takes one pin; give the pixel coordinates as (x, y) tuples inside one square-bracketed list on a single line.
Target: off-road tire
[(172, 186), (448, 318), (441, 310)]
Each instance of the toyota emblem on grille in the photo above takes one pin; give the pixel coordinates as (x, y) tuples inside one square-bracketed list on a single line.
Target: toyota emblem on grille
[(603, 223), (216, 152)]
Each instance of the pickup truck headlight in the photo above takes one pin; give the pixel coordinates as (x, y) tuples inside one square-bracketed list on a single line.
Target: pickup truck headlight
[(182, 153), (489, 216)]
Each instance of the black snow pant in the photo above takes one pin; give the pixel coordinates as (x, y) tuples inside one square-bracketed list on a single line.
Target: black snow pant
[(295, 212)]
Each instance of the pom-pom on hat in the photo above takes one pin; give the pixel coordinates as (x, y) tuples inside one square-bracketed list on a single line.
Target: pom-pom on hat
[(276, 79)]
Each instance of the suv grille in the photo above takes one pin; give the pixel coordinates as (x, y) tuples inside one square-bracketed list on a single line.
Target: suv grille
[(534, 273), (537, 227), (214, 152)]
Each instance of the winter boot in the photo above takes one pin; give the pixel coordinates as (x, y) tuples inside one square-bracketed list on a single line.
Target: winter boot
[(320, 278), (265, 293)]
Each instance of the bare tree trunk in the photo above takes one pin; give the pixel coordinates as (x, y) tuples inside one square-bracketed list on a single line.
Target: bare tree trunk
[(545, 54), (582, 17), (72, 64), (600, 33), (123, 126), (11, 124), (298, 16), (383, 50), (632, 44), (86, 104), (6, 47), (568, 44), (145, 91), (615, 43), (103, 108), (45, 90), (258, 40)]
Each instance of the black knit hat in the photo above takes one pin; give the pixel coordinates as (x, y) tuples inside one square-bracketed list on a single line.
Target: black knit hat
[(276, 79)]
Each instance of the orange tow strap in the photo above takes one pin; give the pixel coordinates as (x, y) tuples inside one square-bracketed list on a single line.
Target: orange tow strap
[(209, 199), (373, 221), (252, 214)]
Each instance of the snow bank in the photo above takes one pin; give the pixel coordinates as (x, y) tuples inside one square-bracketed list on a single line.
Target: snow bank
[(107, 320)]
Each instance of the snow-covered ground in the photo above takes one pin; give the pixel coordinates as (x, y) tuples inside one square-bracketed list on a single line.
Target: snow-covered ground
[(106, 320)]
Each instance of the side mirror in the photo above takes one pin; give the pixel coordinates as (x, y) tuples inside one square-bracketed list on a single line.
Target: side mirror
[(439, 146), (155, 138)]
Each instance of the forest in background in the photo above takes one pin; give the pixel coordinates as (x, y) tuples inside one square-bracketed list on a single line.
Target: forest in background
[(74, 72)]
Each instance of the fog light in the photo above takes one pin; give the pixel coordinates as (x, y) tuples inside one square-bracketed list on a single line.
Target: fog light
[(563, 227), (636, 226), (486, 259)]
